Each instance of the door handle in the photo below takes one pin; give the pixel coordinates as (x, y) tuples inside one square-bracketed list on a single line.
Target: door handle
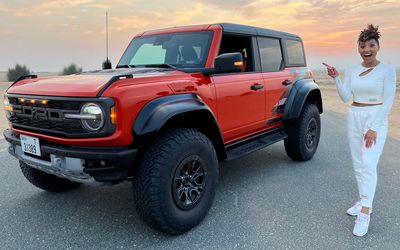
[(287, 82), (256, 86)]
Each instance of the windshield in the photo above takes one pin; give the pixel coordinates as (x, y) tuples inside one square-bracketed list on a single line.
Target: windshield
[(182, 50)]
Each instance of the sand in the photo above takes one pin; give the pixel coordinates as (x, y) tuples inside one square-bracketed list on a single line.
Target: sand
[(330, 98)]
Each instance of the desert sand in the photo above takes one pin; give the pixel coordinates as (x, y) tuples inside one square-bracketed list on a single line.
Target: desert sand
[(330, 98)]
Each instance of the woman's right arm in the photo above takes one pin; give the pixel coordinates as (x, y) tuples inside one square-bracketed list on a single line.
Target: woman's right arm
[(343, 88)]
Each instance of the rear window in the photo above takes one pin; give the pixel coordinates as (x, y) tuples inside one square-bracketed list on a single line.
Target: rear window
[(295, 52)]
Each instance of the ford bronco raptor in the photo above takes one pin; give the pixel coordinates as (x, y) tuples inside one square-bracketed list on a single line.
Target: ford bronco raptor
[(179, 101)]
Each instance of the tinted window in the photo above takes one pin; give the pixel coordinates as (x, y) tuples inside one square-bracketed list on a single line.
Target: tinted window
[(295, 52), (271, 54)]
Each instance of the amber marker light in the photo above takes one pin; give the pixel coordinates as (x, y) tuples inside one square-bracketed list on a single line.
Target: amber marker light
[(22, 100), (113, 115), (8, 108), (33, 101), (240, 63), (44, 102)]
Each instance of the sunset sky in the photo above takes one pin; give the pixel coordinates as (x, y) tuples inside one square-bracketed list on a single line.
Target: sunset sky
[(48, 35)]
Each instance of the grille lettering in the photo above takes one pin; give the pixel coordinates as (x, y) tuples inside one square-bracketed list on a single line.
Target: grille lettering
[(38, 113)]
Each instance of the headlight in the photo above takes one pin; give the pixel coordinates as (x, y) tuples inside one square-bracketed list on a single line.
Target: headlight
[(92, 116)]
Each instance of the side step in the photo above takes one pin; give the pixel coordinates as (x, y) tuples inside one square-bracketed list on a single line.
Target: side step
[(249, 145)]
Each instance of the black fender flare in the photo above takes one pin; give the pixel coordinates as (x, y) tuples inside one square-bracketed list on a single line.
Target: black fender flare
[(298, 94), (157, 112)]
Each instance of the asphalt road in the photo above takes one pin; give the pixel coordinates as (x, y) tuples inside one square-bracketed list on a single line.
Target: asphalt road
[(263, 201)]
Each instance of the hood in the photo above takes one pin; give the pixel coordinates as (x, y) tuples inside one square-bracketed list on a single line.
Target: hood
[(87, 84)]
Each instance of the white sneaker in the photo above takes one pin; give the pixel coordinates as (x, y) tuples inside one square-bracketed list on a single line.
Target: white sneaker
[(361, 226), (356, 209)]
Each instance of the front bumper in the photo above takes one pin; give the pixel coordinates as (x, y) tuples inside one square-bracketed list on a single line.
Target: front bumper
[(79, 164)]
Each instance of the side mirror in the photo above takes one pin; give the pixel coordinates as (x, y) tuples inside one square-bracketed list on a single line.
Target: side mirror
[(107, 64), (229, 62)]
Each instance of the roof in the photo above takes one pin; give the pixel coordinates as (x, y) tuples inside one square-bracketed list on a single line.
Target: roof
[(251, 30), (227, 27)]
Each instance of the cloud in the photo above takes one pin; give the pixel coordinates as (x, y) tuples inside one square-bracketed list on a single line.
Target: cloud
[(226, 4), (3, 7), (36, 8), (326, 26), (142, 21), (7, 33)]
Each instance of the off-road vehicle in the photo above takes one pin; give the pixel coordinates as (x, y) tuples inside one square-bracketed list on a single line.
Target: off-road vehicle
[(179, 101)]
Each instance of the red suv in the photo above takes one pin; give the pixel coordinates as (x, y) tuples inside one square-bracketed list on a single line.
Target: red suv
[(179, 101)]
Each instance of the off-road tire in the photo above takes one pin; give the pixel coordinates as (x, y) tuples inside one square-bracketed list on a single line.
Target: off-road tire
[(303, 134), (46, 181), (154, 192)]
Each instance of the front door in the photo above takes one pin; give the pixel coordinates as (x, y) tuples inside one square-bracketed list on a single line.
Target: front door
[(240, 96)]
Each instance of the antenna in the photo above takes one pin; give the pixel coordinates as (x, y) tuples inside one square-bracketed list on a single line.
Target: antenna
[(107, 63), (107, 35)]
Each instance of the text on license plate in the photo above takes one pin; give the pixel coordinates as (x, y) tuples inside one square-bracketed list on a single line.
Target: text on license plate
[(30, 145)]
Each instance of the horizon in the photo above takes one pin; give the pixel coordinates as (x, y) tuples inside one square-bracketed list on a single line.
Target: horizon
[(49, 35)]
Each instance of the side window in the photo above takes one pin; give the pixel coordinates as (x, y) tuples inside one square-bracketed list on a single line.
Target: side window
[(271, 54), (236, 43), (295, 52)]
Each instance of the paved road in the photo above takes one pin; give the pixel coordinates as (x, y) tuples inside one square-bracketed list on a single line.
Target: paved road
[(264, 201)]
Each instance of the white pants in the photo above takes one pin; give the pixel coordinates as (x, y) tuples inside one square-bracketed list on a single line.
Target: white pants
[(365, 160)]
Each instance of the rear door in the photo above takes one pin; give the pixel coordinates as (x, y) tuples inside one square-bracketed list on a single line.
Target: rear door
[(276, 77)]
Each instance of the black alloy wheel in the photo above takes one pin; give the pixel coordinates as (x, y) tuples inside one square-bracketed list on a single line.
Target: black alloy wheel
[(311, 133), (189, 182)]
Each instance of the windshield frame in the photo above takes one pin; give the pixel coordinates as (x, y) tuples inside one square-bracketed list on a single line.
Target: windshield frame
[(178, 67)]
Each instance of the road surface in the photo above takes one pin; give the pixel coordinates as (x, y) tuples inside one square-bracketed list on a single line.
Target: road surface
[(264, 200)]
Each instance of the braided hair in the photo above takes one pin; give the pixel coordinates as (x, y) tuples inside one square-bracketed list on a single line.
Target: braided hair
[(371, 32)]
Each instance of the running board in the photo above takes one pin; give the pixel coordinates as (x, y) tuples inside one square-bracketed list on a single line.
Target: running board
[(254, 143)]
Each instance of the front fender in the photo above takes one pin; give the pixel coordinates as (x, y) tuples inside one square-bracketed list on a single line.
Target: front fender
[(157, 112)]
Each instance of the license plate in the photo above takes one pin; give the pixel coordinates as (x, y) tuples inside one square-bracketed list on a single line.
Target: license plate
[(30, 145)]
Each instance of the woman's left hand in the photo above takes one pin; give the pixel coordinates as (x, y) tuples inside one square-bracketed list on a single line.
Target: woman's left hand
[(370, 138)]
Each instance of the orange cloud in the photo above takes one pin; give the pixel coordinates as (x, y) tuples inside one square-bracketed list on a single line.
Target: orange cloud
[(328, 27)]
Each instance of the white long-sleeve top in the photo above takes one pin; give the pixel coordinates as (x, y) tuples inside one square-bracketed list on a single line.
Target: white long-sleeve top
[(378, 86)]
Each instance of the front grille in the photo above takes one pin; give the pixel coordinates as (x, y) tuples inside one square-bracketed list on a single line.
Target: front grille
[(52, 104), (51, 127), (48, 118)]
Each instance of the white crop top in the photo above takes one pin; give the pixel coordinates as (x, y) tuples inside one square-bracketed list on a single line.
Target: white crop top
[(377, 86)]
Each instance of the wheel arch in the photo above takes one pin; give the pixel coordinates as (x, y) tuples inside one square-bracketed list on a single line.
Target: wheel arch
[(302, 91), (185, 110)]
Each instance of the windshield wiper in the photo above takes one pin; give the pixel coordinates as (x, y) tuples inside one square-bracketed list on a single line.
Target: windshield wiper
[(125, 66), (161, 65)]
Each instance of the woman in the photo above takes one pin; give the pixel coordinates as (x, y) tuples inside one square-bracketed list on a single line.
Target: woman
[(372, 84)]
